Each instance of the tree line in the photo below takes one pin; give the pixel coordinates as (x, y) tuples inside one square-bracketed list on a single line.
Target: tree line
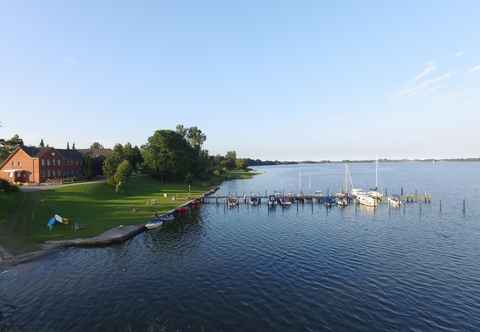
[(169, 155)]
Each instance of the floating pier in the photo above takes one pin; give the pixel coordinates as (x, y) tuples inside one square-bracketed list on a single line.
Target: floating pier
[(340, 199)]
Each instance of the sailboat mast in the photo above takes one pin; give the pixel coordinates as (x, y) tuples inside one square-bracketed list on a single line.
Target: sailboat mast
[(376, 173), (347, 181)]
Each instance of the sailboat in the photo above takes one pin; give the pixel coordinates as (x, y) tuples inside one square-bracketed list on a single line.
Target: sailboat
[(374, 193), (362, 197)]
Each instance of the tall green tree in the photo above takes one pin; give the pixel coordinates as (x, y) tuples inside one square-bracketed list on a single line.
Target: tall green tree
[(241, 163), (111, 163), (96, 146), (133, 155), (42, 144), (8, 146), (230, 160), (196, 137), (168, 155), (180, 129), (122, 174)]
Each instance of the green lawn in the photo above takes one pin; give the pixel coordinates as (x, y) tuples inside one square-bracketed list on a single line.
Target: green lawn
[(95, 206), (240, 174)]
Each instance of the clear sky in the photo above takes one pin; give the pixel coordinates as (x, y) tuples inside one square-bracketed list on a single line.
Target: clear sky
[(277, 79)]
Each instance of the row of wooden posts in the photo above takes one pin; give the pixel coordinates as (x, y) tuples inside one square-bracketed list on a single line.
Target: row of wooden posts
[(245, 199)]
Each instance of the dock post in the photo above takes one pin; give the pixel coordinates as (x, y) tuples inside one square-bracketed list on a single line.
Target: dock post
[(464, 208), (440, 206)]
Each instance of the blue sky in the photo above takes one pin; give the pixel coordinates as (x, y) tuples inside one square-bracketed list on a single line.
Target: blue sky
[(271, 79)]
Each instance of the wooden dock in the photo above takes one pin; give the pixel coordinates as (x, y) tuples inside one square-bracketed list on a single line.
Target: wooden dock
[(303, 198)]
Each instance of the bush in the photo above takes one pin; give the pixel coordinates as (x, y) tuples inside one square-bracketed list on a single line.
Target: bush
[(7, 187)]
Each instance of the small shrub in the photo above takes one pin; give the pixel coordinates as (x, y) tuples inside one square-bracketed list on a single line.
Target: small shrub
[(7, 187)]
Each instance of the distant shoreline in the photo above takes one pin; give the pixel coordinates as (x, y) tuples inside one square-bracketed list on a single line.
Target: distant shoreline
[(275, 163)]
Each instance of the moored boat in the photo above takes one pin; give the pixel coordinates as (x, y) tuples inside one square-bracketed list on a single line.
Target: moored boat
[(342, 201), (154, 224), (375, 194), (232, 202), (255, 200), (366, 200), (272, 201), (284, 202), (394, 201)]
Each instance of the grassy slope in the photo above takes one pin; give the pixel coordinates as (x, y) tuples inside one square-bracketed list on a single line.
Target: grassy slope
[(240, 174), (96, 206)]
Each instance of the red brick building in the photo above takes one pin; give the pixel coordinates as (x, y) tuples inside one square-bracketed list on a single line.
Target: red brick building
[(34, 165)]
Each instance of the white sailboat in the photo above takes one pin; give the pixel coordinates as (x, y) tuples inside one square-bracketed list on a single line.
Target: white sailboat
[(375, 193), (367, 200)]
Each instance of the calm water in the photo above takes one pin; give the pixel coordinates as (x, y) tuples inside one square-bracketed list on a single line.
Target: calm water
[(412, 269)]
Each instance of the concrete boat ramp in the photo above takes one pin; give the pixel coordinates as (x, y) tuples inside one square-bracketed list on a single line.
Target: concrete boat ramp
[(115, 235), (112, 236)]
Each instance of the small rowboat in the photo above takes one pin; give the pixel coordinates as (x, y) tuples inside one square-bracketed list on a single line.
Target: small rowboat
[(154, 224), (158, 221), (165, 218), (182, 210)]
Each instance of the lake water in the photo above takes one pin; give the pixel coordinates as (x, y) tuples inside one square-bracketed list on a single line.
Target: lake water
[(299, 269)]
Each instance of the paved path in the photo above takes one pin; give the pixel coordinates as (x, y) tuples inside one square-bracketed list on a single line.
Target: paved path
[(55, 186)]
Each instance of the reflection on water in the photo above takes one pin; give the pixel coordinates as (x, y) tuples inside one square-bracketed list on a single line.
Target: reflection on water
[(260, 269), (366, 210)]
